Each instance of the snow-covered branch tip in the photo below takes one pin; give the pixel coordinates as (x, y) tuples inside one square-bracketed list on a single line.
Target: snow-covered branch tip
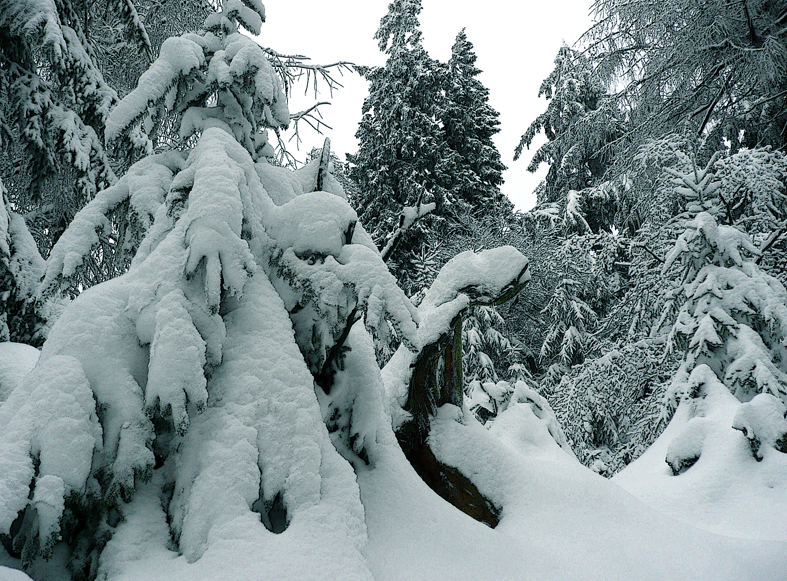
[(308, 116), (409, 216)]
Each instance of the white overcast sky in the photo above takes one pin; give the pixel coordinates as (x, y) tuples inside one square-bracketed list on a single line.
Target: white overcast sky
[(515, 42)]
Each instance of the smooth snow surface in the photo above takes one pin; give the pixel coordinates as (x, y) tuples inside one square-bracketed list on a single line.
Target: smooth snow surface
[(7, 574), (560, 521), (16, 361), (727, 491)]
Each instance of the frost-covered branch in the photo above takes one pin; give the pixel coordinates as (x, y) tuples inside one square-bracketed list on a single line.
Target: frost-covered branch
[(292, 67)]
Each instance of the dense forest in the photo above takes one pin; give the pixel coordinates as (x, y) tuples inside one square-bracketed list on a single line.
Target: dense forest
[(219, 362)]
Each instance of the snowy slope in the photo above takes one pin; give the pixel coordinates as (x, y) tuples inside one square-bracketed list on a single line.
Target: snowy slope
[(727, 491), (560, 521)]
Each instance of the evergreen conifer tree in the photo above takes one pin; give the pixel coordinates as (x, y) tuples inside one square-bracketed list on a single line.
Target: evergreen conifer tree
[(470, 123), (578, 122), (425, 138), (402, 158), (54, 102)]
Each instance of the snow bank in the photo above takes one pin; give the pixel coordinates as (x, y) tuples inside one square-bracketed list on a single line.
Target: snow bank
[(721, 486), (560, 521), (7, 574)]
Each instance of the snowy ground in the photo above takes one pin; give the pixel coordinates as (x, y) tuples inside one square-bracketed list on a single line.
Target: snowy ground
[(560, 521), (727, 491)]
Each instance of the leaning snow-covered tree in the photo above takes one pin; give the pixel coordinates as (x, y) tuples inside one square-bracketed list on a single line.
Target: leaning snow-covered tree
[(225, 388)]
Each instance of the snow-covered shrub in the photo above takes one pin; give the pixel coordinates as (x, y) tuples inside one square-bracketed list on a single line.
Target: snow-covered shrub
[(762, 421)]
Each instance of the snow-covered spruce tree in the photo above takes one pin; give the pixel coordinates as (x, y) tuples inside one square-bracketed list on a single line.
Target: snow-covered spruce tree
[(731, 327), (425, 138), (580, 120), (403, 158), (570, 320), (173, 423)]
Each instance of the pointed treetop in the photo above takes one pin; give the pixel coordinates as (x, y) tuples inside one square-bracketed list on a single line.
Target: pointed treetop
[(462, 55), (461, 44), (400, 26)]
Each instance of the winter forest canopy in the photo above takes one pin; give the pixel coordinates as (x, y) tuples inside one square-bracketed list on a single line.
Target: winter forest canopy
[(217, 362)]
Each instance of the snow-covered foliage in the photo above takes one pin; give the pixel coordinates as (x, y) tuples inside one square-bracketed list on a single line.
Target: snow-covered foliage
[(425, 138), (611, 407), (21, 267), (485, 350), (16, 361), (664, 76), (144, 187), (753, 188), (734, 318), (570, 321), (219, 78), (56, 100)]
